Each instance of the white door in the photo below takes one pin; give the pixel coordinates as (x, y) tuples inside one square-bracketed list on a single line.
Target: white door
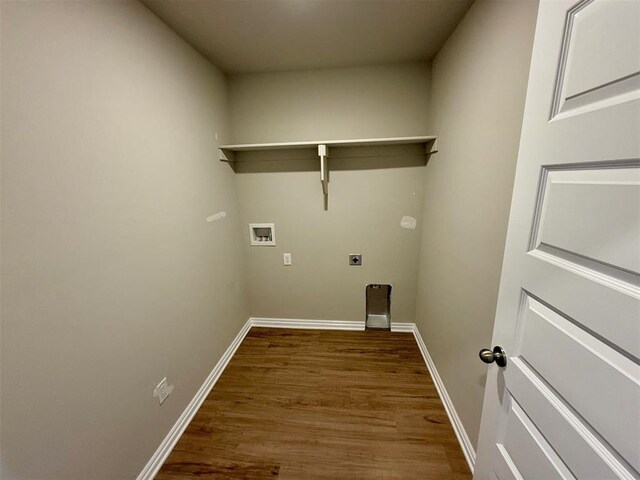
[(567, 403)]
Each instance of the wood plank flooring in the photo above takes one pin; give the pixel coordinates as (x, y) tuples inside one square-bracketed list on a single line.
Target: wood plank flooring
[(319, 404)]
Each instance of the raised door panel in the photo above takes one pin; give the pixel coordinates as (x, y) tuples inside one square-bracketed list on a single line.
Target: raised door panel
[(524, 452), (600, 56), (595, 379), (594, 214), (582, 449)]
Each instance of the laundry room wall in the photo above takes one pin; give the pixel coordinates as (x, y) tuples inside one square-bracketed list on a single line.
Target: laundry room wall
[(112, 278), (479, 88), (367, 196)]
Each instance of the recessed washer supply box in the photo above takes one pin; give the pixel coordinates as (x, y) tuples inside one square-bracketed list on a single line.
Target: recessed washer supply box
[(262, 234)]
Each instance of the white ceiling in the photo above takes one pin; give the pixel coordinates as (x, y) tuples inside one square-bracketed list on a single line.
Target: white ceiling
[(242, 36)]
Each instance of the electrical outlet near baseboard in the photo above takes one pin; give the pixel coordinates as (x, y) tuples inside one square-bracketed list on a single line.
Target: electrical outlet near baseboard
[(163, 390)]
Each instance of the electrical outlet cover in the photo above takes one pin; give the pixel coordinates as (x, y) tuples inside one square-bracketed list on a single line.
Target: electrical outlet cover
[(355, 259)]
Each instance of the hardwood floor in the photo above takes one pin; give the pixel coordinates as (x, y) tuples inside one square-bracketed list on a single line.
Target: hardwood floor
[(319, 404)]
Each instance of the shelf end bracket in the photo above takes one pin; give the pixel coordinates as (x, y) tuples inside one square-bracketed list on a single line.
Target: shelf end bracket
[(431, 146), (225, 155)]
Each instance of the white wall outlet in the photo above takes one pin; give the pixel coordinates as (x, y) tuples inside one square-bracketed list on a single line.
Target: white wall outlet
[(286, 259), (163, 390)]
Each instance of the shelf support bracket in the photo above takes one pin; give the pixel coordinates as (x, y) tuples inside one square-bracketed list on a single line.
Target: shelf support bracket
[(323, 153), (431, 146)]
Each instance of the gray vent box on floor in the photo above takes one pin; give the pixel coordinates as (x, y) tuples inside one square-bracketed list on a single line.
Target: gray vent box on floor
[(378, 307)]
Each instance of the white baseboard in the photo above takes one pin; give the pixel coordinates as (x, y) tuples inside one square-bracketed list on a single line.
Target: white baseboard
[(403, 327), (165, 448), (303, 323), (458, 428), (322, 324)]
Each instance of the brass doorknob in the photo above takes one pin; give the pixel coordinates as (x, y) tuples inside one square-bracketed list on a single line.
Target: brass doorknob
[(498, 355)]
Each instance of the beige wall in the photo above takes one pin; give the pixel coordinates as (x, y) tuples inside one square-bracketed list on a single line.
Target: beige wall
[(479, 84), (1, 148), (367, 196), (1, 131), (111, 277), (340, 103)]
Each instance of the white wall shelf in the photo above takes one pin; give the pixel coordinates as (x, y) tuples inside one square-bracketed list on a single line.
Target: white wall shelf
[(322, 148), (228, 152)]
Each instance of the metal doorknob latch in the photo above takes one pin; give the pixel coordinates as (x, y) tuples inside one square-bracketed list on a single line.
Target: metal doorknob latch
[(498, 355)]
